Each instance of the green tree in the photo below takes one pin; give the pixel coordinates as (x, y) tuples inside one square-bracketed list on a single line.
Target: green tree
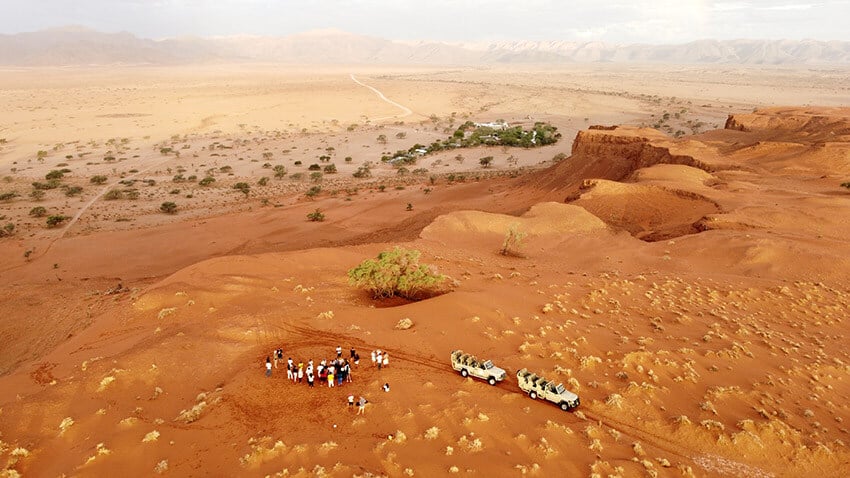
[(486, 161), (279, 171), (397, 272), (168, 207)]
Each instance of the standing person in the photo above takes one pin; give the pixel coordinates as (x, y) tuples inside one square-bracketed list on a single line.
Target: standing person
[(386, 387), (361, 406), (356, 358), (338, 351), (386, 359), (380, 359), (342, 373), (274, 354), (268, 366), (353, 353), (350, 402), (330, 378), (290, 368), (348, 372), (373, 357), (310, 377), (300, 371)]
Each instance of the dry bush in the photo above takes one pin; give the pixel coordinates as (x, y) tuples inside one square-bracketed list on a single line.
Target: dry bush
[(65, 425)]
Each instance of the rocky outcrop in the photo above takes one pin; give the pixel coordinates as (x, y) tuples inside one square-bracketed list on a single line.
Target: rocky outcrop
[(829, 124)]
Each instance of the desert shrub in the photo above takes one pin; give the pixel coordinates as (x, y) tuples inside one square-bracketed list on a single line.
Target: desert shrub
[(168, 207), (55, 174), (113, 194), (8, 196), (38, 211), (559, 157), (313, 191), (263, 181), (99, 179), (846, 185), (486, 161), (206, 181), (131, 194), (314, 167), (396, 273), (7, 230), (330, 169), (316, 177), (226, 169), (316, 216), (348, 159), (55, 220), (244, 188), (298, 163), (51, 184), (513, 242), (363, 172), (73, 191), (279, 171), (37, 194)]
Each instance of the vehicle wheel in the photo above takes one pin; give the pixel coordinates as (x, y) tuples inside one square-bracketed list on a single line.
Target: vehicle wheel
[(533, 395), (464, 373), (564, 406), (491, 381)]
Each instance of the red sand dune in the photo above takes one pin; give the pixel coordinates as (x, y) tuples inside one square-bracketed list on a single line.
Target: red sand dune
[(719, 349)]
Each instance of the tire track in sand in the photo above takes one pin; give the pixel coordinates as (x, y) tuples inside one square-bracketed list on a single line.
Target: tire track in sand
[(407, 111)]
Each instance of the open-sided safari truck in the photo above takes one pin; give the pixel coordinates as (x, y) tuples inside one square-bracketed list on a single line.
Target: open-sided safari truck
[(539, 387), (469, 365)]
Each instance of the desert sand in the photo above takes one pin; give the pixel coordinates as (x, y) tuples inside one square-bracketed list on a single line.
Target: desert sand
[(683, 272)]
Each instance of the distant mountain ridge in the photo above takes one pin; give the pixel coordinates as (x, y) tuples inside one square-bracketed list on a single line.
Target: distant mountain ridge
[(80, 46)]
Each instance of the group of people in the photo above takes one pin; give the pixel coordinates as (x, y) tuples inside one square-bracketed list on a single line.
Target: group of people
[(381, 359), (335, 372)]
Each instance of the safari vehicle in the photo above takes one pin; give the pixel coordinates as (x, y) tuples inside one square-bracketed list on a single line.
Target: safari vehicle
[(469, 365), (539, 387)]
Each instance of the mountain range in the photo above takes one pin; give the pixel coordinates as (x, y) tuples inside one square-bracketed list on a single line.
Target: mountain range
[(81, 46)]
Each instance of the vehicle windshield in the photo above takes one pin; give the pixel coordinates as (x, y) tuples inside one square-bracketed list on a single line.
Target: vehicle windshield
[(560, 388), (488, 365)]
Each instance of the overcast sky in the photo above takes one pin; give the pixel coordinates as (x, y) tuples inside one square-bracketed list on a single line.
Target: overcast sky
[(617, 21)]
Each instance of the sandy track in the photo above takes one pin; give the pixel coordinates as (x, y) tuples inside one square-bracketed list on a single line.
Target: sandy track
[(407, 111)]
